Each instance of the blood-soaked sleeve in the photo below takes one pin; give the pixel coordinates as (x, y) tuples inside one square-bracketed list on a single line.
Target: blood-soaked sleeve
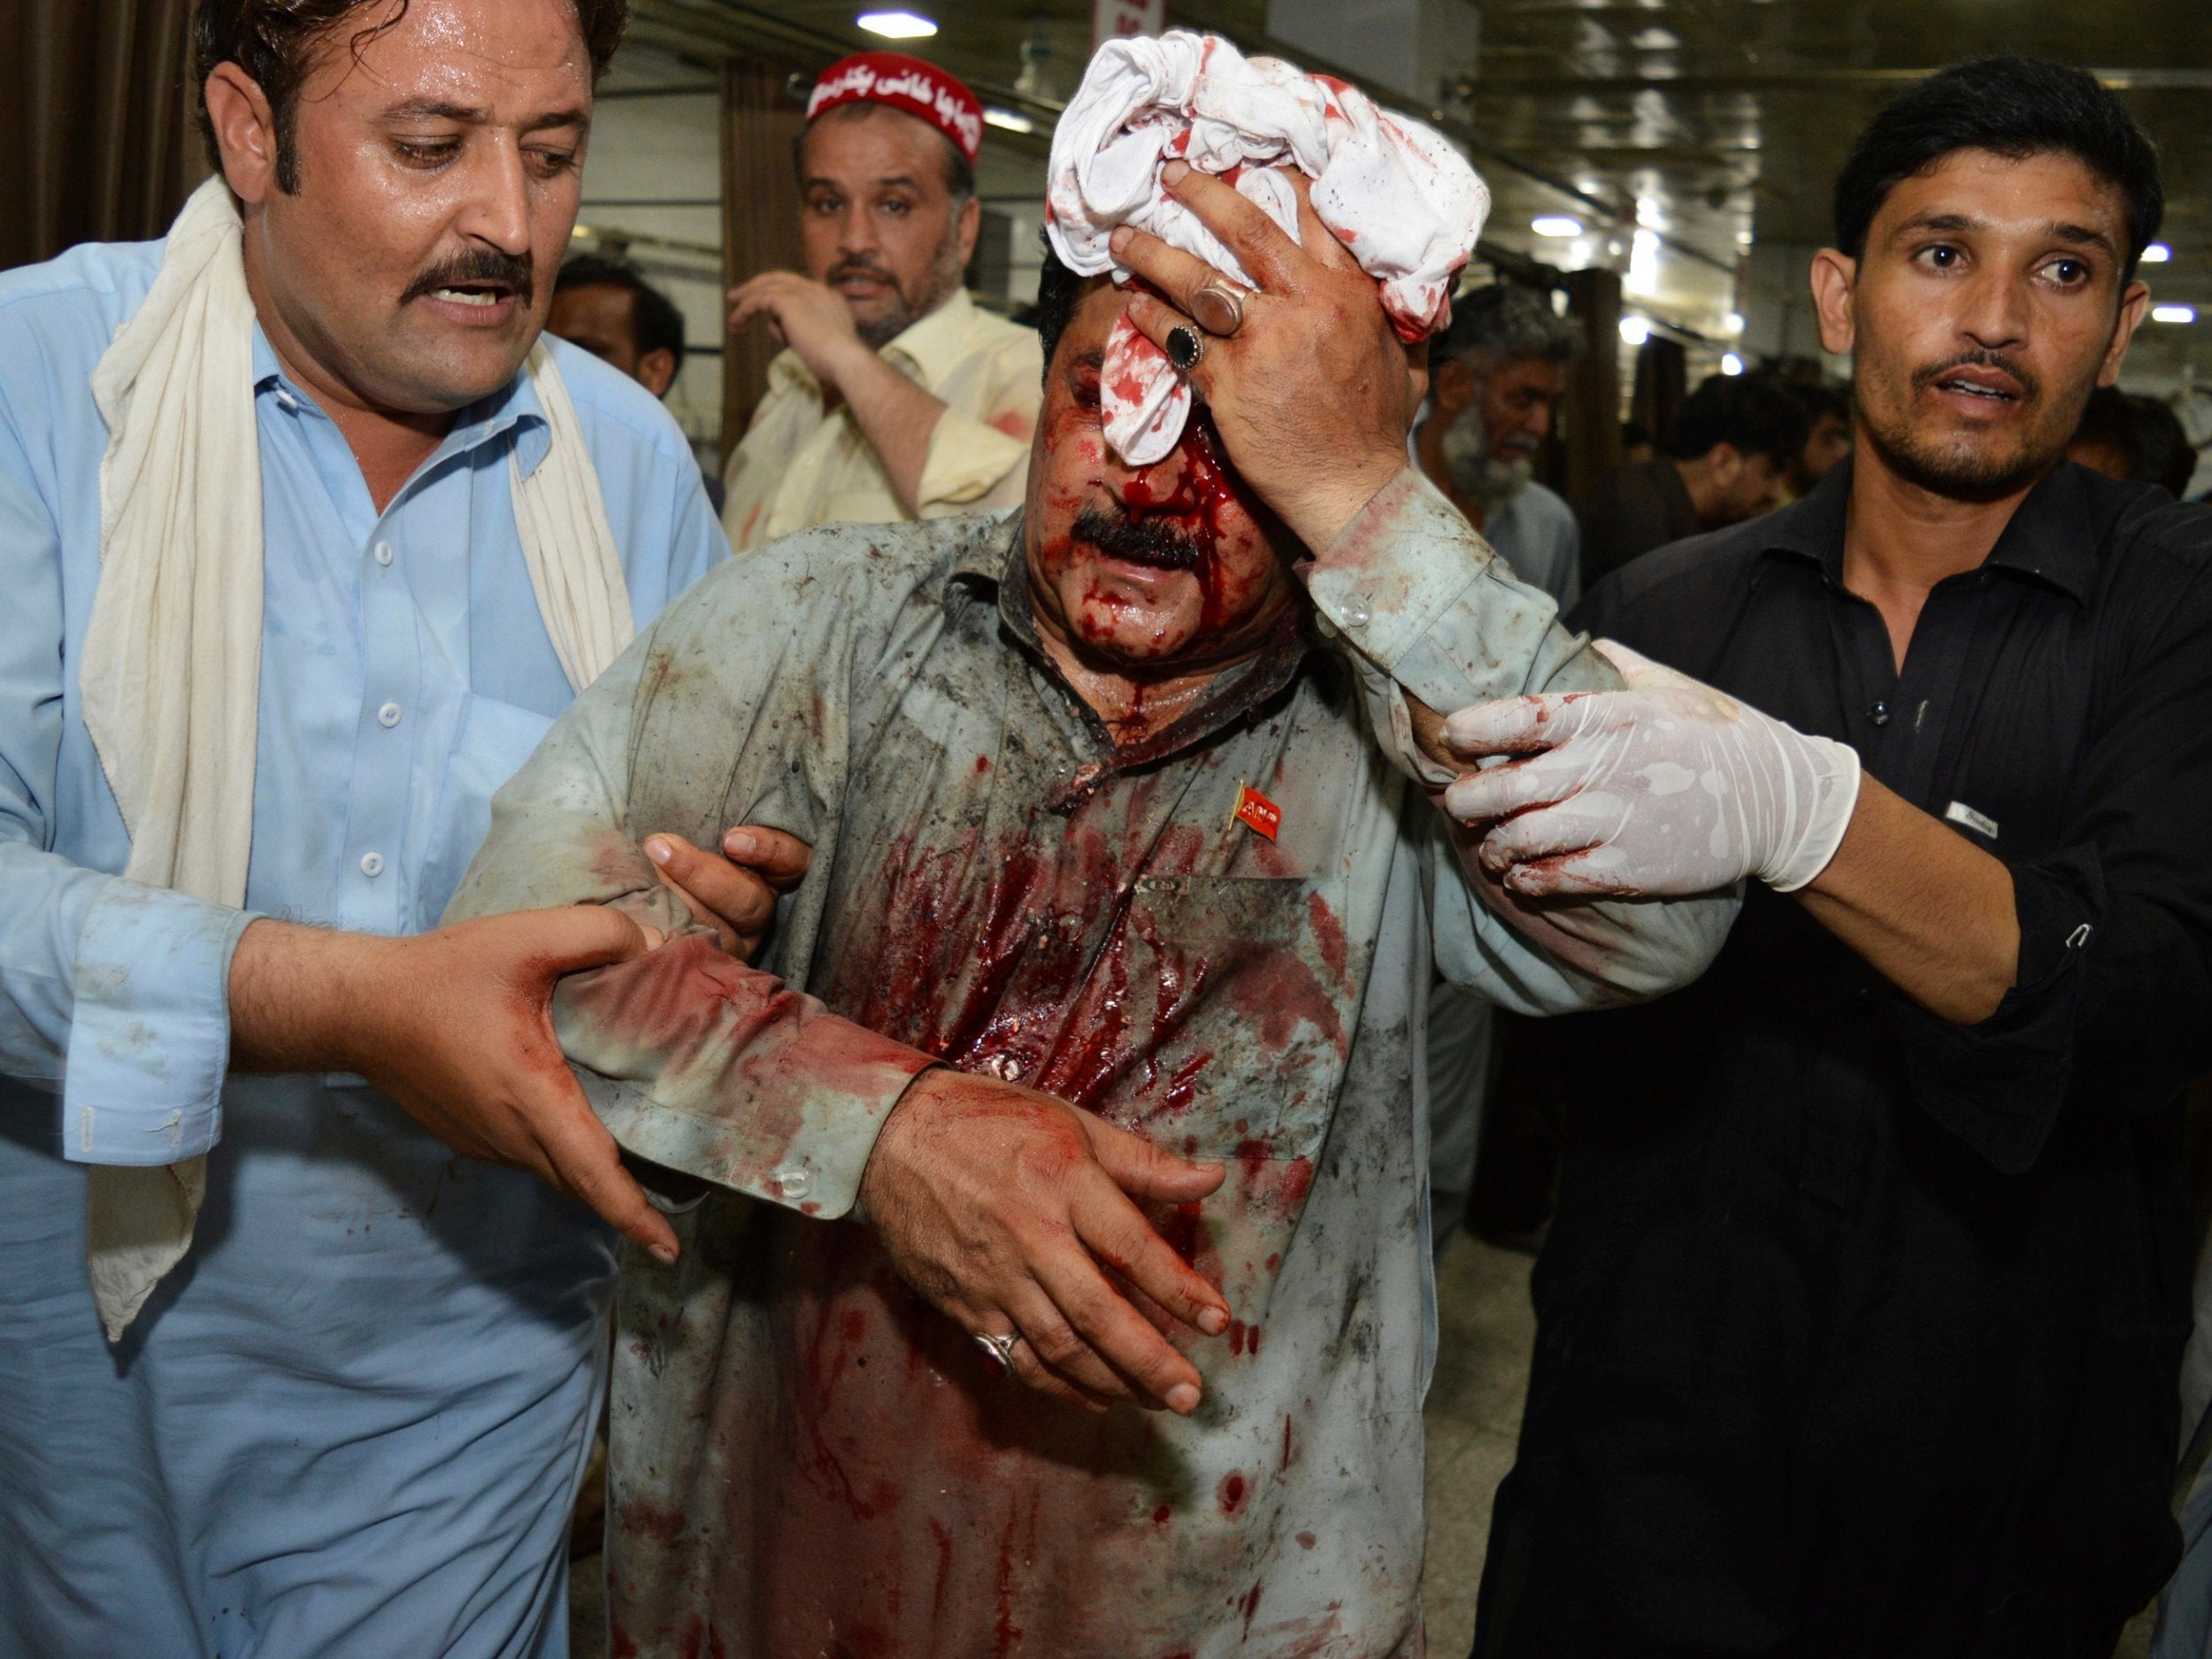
[(704, 1065), (694, 1060), (1428, 611)]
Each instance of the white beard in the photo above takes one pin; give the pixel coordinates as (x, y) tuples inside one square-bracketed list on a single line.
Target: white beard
[(1478, 476)]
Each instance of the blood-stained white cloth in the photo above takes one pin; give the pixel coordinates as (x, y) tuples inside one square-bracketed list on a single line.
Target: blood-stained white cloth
[(1390, 189)]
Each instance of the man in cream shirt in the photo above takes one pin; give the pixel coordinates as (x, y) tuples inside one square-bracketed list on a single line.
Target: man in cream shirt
[(899, 397)]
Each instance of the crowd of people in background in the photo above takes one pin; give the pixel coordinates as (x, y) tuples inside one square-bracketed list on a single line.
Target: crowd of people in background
[(1006, 961)]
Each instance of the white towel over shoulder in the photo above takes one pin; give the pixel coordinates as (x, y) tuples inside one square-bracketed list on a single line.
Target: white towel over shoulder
[(1405, 203), (172, 664)]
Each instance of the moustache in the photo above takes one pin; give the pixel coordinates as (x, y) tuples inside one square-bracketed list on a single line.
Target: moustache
[(1152, 541), (479, 267), (2030, 387), (853, 266)]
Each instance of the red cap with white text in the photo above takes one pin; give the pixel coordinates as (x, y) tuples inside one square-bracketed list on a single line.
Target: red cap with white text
[(903, 84)]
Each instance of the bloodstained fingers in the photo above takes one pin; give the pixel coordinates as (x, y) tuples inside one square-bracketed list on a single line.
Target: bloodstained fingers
[(1113, 1228), (585, 1162), (1120, 1337), (1271, 258), (1514, 725), (1052, 1359), (1496, 792), (1542, 830), (1118, 1235), (1168, 268), (1156, 319)]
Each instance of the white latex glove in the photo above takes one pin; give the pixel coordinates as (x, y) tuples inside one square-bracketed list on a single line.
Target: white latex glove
[(1667, 789)]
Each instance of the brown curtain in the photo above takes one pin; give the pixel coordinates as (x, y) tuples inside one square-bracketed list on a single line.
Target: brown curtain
[(761, 120), (104, 144)]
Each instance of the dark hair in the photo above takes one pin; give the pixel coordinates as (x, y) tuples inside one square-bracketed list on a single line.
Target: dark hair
[(1821, 400), (959, 171), (1057, 291), (2145, 432), (2011, 106), (276, 41), (2162, 453), (1506, 322), (654, 322), (2107, 421), (1746, 411)]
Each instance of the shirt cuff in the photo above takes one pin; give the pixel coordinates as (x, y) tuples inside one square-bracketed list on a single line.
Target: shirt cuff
[(1999, 1085), (149, 1040), (966, 458), (1411, 586), (730, 1076)]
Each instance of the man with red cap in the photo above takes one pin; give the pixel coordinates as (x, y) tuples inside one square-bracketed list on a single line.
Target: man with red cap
[(898, 397)]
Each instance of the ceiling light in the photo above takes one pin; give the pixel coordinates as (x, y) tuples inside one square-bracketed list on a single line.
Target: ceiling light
[(580, 232), (1731, 363), (1642, 275), (2173, 313), (1556, 225), (1634, 331), (1007, 118), (2157, 253), (896, 26), (1732, 323)]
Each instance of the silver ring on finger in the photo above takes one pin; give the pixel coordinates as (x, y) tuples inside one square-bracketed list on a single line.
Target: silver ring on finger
[(1218, 308), (1000, 1346), (1184, 347)]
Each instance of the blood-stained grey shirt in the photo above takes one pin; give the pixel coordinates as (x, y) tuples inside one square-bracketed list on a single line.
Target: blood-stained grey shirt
[(809, 1459)]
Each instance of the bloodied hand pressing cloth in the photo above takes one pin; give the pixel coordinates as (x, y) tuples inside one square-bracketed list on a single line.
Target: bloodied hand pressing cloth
[(1127, 859)]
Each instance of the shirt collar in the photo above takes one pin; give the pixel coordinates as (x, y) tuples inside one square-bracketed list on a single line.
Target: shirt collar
[(513, 408), (930, 349), (2052, 535), (1000, 562)]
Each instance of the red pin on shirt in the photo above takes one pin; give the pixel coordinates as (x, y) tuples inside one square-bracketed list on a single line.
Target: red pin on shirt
[(1256, 812)]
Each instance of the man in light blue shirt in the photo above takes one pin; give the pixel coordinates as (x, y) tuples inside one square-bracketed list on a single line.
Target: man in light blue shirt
[(351, 1422)]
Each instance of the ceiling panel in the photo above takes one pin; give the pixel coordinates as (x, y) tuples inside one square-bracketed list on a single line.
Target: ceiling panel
[(1706, 125)]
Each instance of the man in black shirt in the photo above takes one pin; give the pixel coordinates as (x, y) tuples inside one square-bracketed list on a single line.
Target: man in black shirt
[(1860, 1318), (1727, 455)]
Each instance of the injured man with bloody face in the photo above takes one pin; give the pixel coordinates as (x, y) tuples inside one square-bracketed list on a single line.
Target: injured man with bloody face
[(1055, 1275)]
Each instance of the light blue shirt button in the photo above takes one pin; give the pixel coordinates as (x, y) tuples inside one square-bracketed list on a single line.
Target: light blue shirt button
[(387, 717), (383, 552), (372, 864)]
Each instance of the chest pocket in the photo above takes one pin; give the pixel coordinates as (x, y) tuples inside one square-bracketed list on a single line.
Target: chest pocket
[(1245, 983)]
